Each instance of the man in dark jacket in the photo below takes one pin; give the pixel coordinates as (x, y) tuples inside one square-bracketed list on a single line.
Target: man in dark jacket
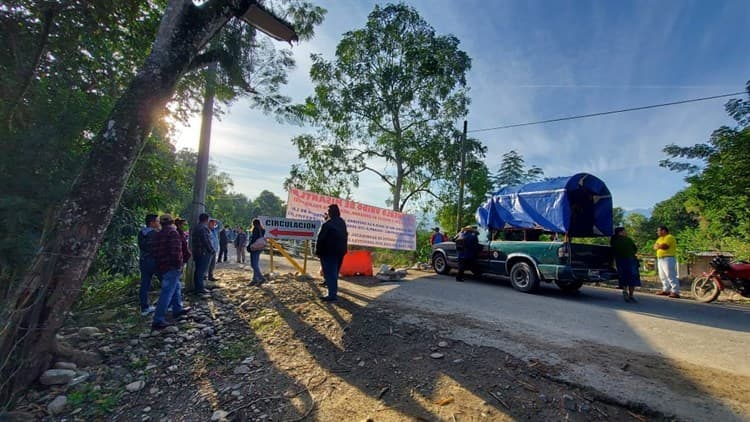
[(223, 242), (467, 245), (167, 247), (331, 247), (147, 262), (203, 248)]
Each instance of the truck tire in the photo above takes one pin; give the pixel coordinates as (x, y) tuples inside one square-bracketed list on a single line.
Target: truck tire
[(440, 263), (569, 286), (523, 277)]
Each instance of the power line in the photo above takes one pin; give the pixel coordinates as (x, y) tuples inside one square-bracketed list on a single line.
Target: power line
[(603, 113)]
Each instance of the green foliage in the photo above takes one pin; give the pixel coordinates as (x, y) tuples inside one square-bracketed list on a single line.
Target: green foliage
[(386, 105), (638, 229), (476, 187), (96, 403), (241, 348), (714, 211)]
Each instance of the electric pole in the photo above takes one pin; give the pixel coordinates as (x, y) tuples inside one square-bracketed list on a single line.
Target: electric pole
[(461, 179)]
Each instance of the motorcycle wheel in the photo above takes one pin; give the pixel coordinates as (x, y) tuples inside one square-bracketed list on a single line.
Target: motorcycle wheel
[(704, 289)]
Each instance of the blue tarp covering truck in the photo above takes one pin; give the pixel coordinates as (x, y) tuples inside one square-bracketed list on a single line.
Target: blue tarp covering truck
[(527, 232)]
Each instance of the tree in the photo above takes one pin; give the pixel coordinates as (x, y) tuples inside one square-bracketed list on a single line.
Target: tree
[(513, 171), (718, 196), (36, 308), (386, 104), (477, 186), (637, 227)]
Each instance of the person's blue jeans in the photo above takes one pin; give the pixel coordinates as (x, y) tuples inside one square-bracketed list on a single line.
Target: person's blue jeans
[(255, 263), (170, 296), (148, 271), (201, 268), (331, 265)]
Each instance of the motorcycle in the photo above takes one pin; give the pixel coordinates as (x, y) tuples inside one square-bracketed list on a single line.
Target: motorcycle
[(724, 274)]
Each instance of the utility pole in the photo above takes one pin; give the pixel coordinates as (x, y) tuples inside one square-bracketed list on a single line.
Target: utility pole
[(461, 179)]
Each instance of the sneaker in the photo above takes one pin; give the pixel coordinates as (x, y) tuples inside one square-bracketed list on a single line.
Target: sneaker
[(625, 296), (674, 295), (328, 299), (147, 311), (663, 293), (213, 279)]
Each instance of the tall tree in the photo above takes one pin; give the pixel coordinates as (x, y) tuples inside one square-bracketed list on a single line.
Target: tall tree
[(386, 104), (719, 177), (513, 171), (36, 309)]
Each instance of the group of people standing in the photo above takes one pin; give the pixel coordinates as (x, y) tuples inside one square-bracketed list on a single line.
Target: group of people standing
[(165, 248)]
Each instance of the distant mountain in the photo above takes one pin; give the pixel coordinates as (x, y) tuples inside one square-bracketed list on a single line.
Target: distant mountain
[(643, 211)]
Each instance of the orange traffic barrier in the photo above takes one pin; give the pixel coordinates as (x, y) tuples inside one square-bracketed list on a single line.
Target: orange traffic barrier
[(357, 263)]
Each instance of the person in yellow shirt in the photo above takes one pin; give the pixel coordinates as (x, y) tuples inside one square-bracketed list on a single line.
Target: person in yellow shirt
[(666, 249)]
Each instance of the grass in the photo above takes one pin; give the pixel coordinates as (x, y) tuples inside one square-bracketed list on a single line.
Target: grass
[(95, 403), (268, 320), (239, 349)]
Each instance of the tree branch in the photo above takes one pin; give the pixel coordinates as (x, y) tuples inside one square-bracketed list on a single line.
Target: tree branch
[(48, 17)]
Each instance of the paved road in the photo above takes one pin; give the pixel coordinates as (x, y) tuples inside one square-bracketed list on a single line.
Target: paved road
[(670, 346), (680, 329)]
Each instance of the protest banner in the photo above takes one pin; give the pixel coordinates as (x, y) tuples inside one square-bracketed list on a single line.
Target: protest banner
[(368, 225)]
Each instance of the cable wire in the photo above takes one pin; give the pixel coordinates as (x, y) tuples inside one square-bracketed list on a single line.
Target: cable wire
[(604, 113)]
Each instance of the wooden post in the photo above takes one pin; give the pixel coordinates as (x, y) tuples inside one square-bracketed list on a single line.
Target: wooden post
[(270, 252), (307, 247)]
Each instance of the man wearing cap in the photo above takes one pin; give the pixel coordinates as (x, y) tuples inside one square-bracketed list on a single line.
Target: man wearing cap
[(331, 247), (169, 259)]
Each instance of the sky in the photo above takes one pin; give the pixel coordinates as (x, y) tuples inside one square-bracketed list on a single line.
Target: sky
[(538, 60)]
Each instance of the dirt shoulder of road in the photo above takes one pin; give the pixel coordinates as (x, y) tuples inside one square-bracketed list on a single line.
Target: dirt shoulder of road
[(276, 352)]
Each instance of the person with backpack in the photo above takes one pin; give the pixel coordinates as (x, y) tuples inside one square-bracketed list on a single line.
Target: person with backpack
[(254, 247)]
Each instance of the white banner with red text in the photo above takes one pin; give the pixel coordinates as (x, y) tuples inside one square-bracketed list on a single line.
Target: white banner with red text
[(286, 228), (367, 225)]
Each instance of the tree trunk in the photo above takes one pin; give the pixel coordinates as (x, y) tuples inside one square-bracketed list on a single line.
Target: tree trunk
[(37, 308)]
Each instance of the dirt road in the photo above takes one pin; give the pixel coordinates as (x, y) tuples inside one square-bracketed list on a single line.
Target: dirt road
[(426, 348)]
